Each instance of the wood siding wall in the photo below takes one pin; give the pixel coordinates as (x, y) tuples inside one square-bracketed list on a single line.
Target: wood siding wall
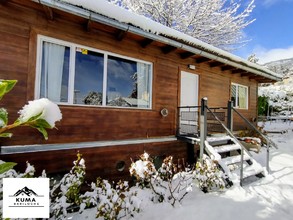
[(99, 161), (22, 21), (18, 61)]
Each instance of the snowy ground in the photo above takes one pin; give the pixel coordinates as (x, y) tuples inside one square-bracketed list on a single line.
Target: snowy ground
[(267, 198)]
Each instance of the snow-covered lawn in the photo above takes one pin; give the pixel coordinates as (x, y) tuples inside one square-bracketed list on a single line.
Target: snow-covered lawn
[(267, 198)]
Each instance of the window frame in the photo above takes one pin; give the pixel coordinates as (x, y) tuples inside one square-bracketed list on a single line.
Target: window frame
[(236, 104), (73, 46)]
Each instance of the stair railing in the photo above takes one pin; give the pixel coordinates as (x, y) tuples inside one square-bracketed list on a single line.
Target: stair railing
[(203, 134), (268, 141)]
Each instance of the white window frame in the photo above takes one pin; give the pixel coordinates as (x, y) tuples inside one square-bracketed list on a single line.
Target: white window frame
[(237, 93), (73, 46)]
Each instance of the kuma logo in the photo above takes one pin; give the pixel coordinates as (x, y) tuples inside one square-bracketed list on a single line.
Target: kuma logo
[(25, 197)]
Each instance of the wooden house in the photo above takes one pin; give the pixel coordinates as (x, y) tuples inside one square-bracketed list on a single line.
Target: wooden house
[(118, 79)]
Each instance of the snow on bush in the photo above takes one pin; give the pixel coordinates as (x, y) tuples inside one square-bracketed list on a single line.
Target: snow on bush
[(115, 202), (112, 201), (208, 175), (7, 171), (40, 114), (166, 183), (66, 193), (41, 109), (143, 169), (169, 183)]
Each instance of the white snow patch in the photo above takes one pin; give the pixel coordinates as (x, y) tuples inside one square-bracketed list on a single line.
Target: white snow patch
[(122, 15), (47, 110), (268, 198)]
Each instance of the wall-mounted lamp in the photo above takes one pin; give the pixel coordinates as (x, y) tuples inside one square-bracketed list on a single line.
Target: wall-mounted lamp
[(190, 66)]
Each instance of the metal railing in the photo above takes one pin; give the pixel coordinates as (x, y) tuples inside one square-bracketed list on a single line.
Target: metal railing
[(188, 121), (193, 121), (267, 140), (228, 131)]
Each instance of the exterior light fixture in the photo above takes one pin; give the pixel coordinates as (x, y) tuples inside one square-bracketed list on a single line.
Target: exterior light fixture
[(164, 112), (192, 67)]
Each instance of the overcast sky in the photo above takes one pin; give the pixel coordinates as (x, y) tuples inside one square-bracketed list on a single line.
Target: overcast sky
[(272, 33)]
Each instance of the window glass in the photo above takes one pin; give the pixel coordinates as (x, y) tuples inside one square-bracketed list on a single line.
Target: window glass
[(88, 82), (84, 79), (55, 72), (239, 96), (128, 83), (242, 97), (233, 94)]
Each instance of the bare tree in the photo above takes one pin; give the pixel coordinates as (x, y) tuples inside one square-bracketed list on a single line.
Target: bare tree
[(217, 22)]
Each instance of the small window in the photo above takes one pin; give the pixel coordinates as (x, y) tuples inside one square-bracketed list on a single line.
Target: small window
[(73, 74), (239, 96)]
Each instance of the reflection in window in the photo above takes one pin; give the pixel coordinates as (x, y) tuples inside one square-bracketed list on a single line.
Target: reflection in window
[(128, 83), (55, 72), (239, 96), (88, 83), (75, 75)]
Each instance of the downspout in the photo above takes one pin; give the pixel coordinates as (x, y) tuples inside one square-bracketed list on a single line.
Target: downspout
[(126, 27)]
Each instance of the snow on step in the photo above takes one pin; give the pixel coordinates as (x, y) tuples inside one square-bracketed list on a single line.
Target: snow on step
[(227, 148), (234, 159), (250, 170), (219, 138)]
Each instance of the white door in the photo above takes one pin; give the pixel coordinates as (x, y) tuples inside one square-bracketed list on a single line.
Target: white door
[(189, 89), (188, 118)]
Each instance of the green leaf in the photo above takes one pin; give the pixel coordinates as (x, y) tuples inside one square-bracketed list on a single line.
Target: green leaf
[(10, 84), (30, 121), (3, 116), (43, 131), (42, 123), (6, 166), (6, 135), (3, 87), (34, 118), (6, 86)]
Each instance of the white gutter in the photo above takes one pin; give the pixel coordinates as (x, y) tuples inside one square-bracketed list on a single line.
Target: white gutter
[(217, 56)]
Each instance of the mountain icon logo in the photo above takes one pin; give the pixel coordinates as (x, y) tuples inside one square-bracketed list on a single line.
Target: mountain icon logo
[(25, 191)]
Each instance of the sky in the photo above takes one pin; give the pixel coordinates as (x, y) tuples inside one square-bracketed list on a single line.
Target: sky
[(271, 33)]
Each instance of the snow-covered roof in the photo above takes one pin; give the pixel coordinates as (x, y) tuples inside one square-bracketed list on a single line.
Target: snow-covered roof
[(114, 15)]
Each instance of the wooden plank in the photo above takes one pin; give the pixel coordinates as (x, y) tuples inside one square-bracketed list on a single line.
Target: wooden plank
[(15, 27), (9, 64), (146, 42), (225, 68), (215, 64), (120, 35), (202, 60), (99, 161), (3, 2), (49, 12), (168, 49), (186, 55)]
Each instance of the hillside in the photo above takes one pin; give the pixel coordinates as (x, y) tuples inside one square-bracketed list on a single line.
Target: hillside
[(284, 67), (280, 93)]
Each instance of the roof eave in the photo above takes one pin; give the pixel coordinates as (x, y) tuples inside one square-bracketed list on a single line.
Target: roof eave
[(81, 12)]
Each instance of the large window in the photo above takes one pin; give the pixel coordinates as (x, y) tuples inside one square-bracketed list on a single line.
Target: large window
[(239, 95), (74, 74)]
